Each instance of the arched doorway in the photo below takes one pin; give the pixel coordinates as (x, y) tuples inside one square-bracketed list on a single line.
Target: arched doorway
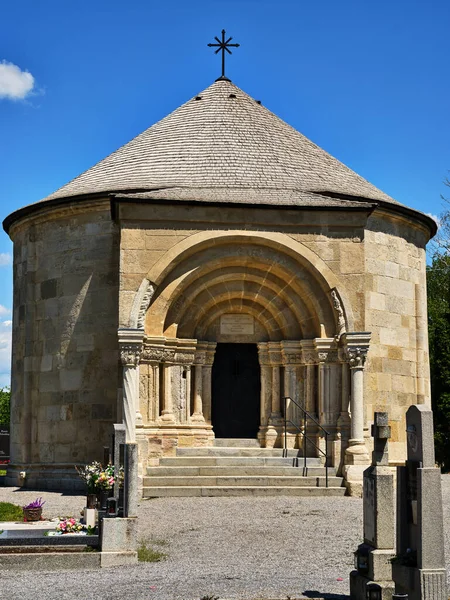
[(236, 391)]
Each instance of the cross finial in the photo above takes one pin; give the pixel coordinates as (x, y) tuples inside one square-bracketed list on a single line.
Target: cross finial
[(223, 45)]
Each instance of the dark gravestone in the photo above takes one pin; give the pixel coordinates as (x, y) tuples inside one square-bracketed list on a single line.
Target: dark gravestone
[(375, 554), (4, 442), (419, 569)]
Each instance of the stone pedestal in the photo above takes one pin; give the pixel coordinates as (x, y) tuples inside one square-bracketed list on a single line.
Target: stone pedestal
[(419, 568), (374, 556), (118, 542)]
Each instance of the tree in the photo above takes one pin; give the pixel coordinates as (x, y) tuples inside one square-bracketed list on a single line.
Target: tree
[(5, 402), (438, 286)]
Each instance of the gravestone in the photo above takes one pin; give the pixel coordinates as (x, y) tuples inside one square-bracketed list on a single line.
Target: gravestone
[(118, 461), (374, 556), (419, 567), (4, 442)]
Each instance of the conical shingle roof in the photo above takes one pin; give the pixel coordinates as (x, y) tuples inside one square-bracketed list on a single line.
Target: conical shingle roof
[(223, 145)]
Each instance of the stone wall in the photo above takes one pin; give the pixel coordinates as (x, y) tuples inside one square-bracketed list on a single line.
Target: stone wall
[(378, 260), (65, 351), (396, 314)]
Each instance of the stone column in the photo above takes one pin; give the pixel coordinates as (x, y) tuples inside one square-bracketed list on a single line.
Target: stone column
[(130, 346), (188, 388), (198, 392), (356, 455), (309, 358), (344, 417), (276, 400), (167, 413), (270, 352)]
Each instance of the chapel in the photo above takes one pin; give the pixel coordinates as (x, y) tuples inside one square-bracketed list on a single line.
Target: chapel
[(208, 270)]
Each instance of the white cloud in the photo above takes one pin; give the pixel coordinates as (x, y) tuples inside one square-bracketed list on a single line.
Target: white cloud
[(15, 84), (4, 311), (7, 323), (5, 259)]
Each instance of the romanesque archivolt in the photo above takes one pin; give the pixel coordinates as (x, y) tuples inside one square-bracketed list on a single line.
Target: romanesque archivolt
[(141, 303), (337, 305)]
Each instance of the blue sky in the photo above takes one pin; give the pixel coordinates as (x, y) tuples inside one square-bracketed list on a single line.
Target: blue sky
[(367, 81)]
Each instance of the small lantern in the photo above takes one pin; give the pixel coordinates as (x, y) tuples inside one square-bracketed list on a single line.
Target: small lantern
[(373, 591), (362, 559), (111, 508)]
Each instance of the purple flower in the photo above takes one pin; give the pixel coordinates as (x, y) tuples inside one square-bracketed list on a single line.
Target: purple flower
[(36, 504)]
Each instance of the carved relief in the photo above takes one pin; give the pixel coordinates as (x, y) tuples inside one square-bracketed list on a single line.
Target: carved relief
[(130, 354), (309, 357), (145, 303), (341, 327), (158, 354), (200, 358), (184, 358), (293, 358)]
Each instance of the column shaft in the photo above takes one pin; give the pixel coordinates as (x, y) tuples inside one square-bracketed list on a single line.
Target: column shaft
[(276, 412), (198, 386), (167, 412), (207, 374), (130, 399), (357, 405)]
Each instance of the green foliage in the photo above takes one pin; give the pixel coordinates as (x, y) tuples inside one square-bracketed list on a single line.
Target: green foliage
[(5, 402), (148, 554), (10, 512), (438, 284)]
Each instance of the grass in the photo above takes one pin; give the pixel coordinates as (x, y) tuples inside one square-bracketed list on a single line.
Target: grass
[(148, 554), (10, 512)]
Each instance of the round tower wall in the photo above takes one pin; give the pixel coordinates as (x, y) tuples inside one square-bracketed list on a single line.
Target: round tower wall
[(65, 353)]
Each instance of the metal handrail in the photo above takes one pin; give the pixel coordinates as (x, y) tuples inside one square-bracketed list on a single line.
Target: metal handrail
[(306, 416)]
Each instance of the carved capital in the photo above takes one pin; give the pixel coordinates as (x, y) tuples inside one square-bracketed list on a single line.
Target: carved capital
[(130, 354), (293, 358), (200, 358), (357, 357)]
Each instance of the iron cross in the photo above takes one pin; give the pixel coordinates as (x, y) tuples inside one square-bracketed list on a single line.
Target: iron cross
[(223, 46)]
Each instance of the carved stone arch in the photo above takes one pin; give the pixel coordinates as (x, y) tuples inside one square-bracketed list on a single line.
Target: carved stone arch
[(196, 242), (141, 303)]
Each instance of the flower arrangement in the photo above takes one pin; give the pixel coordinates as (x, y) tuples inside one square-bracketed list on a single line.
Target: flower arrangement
[(70, 525), (96, 477), (35, 504)]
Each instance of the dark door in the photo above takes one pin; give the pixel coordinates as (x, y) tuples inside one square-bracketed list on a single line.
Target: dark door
[(236, 391)]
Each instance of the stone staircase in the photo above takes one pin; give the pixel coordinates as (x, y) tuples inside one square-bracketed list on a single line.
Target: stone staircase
[(239, 468)]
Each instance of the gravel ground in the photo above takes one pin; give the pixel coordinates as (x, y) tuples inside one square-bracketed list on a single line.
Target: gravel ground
[(239, 548)]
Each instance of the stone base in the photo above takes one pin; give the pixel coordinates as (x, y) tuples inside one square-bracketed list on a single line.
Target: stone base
[(118, 559), (359, 583), (119, 535), (420, 584), (380, 565), (57, 477), (353, 475)]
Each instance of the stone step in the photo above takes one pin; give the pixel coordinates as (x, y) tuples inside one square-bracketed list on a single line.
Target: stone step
[(242, 481), (243, 452), (234, 461), (185, 491), (237, 442), (233, 471)]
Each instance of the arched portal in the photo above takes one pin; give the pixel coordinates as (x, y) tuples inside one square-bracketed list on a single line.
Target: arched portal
[(258, 290)]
